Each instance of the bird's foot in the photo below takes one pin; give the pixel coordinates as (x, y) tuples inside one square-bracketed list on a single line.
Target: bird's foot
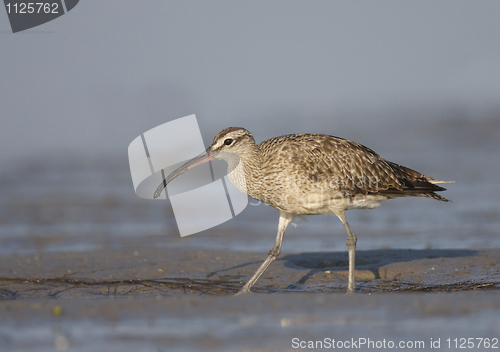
[(350, 290), (243, 291)]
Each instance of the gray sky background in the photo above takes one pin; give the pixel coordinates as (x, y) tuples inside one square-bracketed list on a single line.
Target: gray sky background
[(97, 77)]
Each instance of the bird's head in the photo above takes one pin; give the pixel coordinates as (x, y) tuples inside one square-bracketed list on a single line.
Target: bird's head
[(229, 145), (231, 142)]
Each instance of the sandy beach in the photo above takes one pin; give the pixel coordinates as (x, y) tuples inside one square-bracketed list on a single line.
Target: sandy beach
[(86, 265), (117, 300), (116, 273)]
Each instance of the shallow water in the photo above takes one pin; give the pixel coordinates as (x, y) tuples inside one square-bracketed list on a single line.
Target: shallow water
[(75, 217), (270, 323), (77, 205)]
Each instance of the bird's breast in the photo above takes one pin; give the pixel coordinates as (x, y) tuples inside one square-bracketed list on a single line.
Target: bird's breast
[(236, 175)]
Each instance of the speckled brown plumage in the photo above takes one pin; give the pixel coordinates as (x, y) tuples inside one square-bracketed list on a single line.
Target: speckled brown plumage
[(297, 166), (307, 174)]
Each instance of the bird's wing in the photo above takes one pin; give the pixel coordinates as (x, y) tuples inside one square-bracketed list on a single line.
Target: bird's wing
[(345, 165)]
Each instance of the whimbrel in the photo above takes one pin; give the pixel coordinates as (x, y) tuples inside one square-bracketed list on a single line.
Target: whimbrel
[(309, 174)]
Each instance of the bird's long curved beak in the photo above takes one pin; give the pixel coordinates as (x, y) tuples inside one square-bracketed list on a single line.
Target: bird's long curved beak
[(204, 157)]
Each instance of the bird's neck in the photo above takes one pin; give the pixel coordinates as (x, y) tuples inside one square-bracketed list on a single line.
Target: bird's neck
[(244, 169)]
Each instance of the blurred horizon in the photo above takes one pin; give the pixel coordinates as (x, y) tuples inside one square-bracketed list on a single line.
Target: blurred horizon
[(416, 81), (92, 80)]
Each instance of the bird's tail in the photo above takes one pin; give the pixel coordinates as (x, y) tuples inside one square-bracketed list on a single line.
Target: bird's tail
[(436, 196), (436, 182)]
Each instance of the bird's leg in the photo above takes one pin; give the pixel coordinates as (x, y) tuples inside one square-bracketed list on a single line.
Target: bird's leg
[(351, 248), (285, 219)]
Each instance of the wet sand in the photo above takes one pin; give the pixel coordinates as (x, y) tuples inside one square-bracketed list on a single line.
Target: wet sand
[(167, 299), (258, 322), (171, 272), (85, 265)]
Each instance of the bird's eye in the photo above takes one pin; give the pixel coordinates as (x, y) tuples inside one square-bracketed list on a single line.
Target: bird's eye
[(228, 141)]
